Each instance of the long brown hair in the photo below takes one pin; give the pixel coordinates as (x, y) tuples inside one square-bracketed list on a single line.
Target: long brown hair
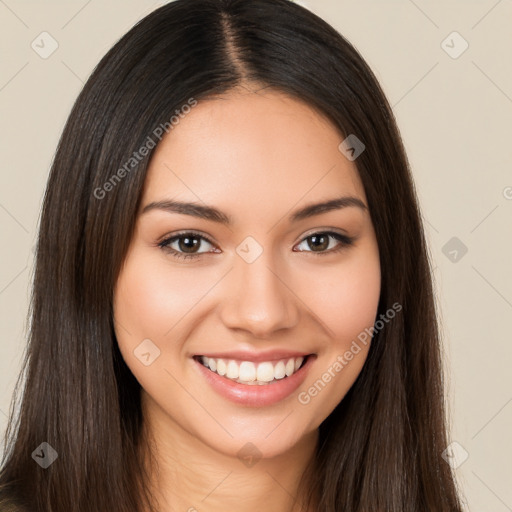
[(381, 447)]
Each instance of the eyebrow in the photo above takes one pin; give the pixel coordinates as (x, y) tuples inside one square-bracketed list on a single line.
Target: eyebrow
[(213, 214)]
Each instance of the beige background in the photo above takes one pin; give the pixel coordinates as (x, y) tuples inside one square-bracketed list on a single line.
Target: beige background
[(455, 115)]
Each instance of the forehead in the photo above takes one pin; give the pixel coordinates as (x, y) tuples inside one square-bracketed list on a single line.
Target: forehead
[(248, 152)]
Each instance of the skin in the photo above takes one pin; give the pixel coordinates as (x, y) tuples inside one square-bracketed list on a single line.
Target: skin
[(257, 155)]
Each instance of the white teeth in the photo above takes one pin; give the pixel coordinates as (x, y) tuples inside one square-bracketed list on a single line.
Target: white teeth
[(232, 371), (221, 367), (265, 372), (279, 370), (290, 367), (247, 372)]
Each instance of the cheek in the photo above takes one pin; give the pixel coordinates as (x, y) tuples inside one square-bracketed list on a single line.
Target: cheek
[(149, 301), (347, 301), (151, 298), (154, 301), (346, 297)]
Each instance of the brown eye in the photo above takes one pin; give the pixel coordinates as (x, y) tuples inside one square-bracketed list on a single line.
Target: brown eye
[(188, 244), (185, 245), (318, 242), (321, 242)]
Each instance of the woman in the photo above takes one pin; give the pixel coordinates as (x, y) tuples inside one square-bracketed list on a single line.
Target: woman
[(232, 305)]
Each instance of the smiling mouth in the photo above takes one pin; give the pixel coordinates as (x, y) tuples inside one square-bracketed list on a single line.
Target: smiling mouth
[(250, 373)]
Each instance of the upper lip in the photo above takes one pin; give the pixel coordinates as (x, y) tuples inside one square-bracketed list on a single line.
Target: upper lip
[(269, 355)]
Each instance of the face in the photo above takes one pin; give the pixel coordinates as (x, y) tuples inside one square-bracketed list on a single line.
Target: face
[(236, 312)]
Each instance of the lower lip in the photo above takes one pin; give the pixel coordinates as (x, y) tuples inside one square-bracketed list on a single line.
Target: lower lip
[(256, 395)]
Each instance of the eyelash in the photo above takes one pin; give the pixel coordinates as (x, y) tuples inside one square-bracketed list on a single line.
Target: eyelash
[(345, 241)]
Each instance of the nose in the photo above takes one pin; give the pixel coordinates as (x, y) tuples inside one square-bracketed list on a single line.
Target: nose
[(258, 300)]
